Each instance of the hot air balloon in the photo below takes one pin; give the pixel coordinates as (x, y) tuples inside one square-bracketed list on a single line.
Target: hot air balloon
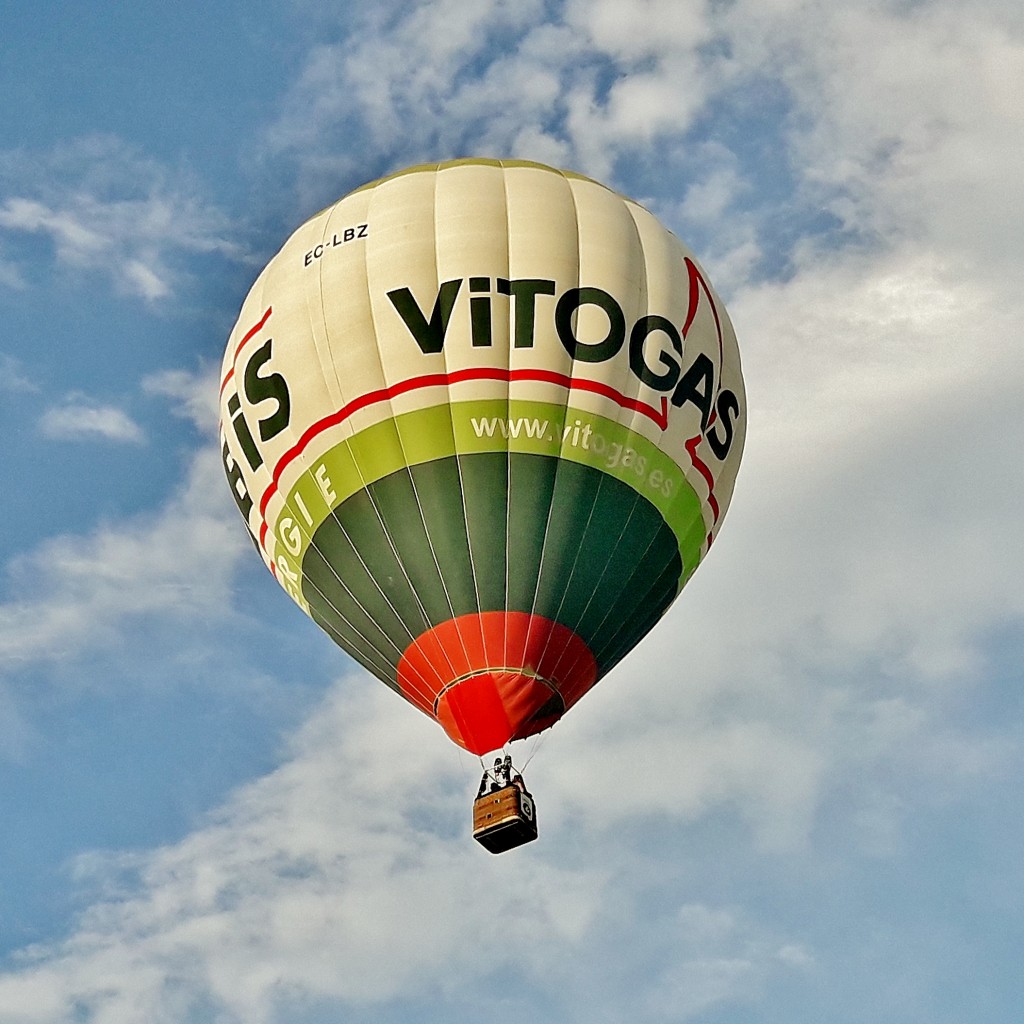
[(483, 420)]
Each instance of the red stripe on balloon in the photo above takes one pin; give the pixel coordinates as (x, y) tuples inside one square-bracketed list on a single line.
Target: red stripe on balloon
[(255, 329), (702, 468), (696, 283)]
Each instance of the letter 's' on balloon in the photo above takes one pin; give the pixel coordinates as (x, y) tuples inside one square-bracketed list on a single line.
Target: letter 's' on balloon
[(483, 419)]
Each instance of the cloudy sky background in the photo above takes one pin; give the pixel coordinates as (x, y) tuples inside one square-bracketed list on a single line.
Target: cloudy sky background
[(798, 801)]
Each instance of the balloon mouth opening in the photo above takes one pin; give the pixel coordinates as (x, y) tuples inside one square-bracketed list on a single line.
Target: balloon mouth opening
[(492, 677), (486, 710)]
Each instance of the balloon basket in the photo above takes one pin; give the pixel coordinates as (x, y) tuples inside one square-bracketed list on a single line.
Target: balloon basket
[(504, 819)]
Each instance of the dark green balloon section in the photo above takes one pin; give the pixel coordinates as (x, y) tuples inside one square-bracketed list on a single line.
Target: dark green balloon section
[(491, 532)]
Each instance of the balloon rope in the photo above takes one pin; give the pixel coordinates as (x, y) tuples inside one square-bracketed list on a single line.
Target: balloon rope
[(541, 738)]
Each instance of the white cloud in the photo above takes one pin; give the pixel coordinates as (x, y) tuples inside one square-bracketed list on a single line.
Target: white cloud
[(11, 276), (107, 209), (897, 120), (194, 395), (904, 121), (347, 877), (423, 76), (817, 667), (146, 278), (642, 30), (721, 959), (78, 592), (433, 79), (80, 420), (12, 379)]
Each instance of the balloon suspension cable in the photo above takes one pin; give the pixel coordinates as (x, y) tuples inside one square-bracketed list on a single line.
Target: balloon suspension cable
[(489, 771), (464, 771), (538, 743)]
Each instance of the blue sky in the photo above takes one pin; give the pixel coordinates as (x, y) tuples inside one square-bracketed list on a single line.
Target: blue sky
[(809, 774)]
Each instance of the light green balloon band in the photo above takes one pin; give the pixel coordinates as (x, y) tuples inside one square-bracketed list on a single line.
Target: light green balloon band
[(495, 425)]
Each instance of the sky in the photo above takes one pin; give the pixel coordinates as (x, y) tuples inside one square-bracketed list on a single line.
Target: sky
[(798, 800)]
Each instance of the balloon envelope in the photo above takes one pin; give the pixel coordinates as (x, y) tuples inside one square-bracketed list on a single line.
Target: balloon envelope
[(483, 420)]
